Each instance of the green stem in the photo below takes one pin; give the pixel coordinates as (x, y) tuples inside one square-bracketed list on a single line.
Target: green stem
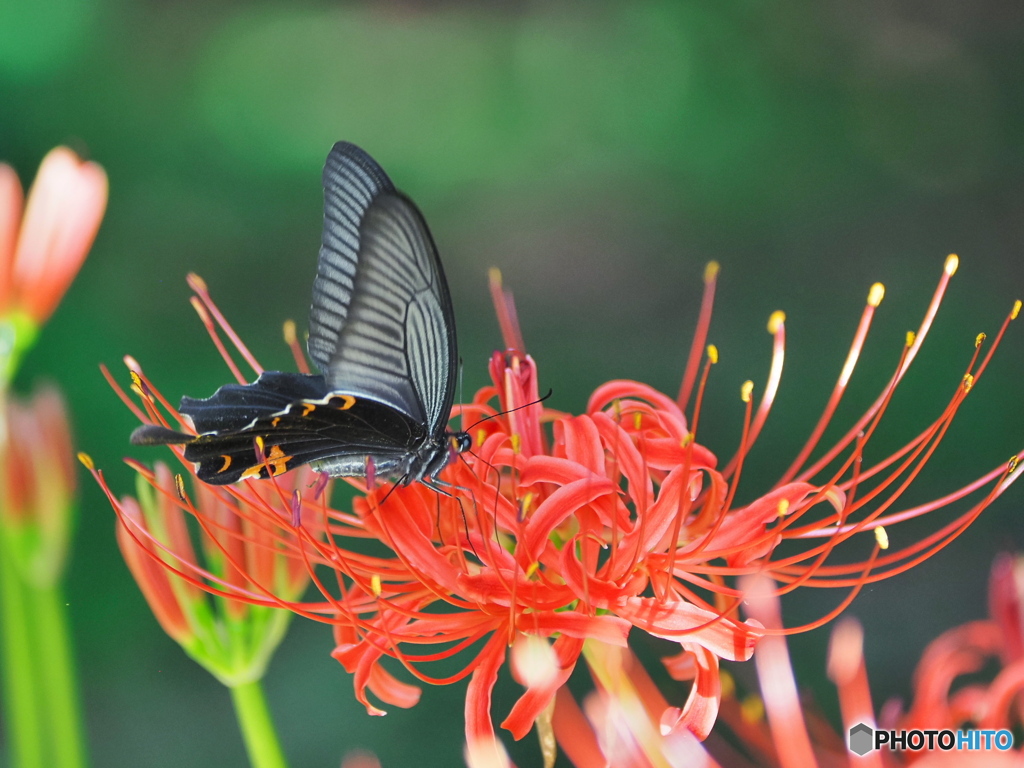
[(21, 702), (56, 667), (257, 727)]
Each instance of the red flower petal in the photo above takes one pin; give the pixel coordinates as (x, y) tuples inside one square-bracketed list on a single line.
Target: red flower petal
[(481, 685), (701, 708), (671, 620)]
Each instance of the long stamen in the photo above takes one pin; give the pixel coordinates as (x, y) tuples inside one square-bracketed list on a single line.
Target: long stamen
[(776, 327), (700, 336), (875, 296), (505, 309), (198, 285), (207, 321), (291, 339), (918, 338)]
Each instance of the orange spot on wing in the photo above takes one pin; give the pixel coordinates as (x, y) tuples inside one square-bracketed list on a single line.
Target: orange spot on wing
[(277, 460), (347, 401), (307, 409), (227, 463)]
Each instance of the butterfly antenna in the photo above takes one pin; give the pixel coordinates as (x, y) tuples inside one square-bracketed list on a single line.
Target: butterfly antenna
[(510, 410)]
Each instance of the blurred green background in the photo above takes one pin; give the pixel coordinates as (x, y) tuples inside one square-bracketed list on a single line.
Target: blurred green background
[(599, 154)]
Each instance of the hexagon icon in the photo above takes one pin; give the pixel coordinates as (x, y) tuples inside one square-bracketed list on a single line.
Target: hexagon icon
[(861, 738)]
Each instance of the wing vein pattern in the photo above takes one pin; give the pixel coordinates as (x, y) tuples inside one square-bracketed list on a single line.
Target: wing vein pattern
[(380, 323)]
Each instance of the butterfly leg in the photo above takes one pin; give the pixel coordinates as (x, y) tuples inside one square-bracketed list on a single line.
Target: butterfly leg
[(435, 484)]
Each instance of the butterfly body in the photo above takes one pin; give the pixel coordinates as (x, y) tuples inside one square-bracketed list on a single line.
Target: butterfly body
[(382, 332)]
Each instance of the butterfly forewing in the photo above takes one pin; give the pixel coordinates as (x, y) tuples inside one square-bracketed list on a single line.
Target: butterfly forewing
[(352, 180), (395, 340)]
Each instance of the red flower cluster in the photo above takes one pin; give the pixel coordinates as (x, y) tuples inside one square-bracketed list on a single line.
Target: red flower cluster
[(576, 529)]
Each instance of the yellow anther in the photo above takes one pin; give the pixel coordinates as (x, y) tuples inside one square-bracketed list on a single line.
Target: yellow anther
[(882, 537), (494, 276), (179, 486), (86, 460), (1016, 310), (952, 262), (531, 569), (197, 305), (778, 317), (728, 684), (752, 709), (712, 354), (481, 435), (979, 340), (687, 439), (289, 332), (139, 387), (617, 408), (528, 501), (711, 272), (638, 419), (196, 282), (517, 442), (259, 442), (875, 294), (783, 509), (968, 382), (1010, 465), (911, 337), (375, 585), (746, 390)]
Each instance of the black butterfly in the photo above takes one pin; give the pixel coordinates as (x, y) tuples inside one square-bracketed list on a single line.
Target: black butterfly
[(382, 331)]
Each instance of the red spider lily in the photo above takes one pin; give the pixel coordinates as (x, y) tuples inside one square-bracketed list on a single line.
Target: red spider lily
[(38, 484), (965, 650), (579, 528), (618, 723), (233, 638), (42, 251)]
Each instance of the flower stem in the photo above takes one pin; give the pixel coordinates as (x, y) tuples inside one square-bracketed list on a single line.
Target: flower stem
[(56, 668), (257, 727), (21, 703)]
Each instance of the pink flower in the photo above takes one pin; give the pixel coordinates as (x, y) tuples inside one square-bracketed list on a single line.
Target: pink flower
[(37, 484), (42, 250)]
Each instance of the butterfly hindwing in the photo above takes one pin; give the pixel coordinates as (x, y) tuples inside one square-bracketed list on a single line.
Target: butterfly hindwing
[(234, 406), (305, 431)]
